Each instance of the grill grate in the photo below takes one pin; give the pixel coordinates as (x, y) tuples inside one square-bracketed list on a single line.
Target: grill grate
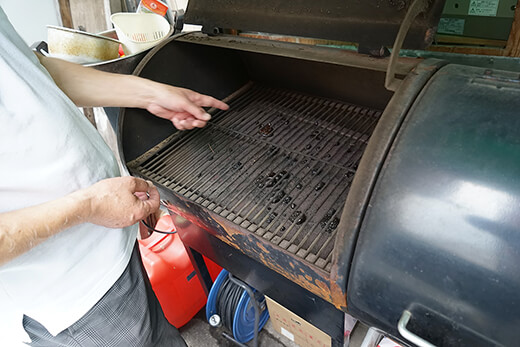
[(278, 163)]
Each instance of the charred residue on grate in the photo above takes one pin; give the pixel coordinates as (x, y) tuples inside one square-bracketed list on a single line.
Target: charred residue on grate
[(278, 163)]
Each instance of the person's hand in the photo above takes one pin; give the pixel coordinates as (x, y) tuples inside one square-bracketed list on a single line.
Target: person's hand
[(121, 201), (183, 107)]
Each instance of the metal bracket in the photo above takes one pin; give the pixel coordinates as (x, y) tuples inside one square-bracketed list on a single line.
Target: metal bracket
[(372, 338), (255, 306), (179, 21), (417, 7)]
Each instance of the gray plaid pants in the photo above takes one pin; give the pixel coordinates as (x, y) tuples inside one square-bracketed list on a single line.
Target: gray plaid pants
[(128, 315)]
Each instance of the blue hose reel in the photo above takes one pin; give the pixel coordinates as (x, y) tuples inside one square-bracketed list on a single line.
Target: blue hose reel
[(239, 311)]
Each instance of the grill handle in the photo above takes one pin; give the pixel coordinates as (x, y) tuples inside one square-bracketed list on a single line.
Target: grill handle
[(417, 7), (407, 334)]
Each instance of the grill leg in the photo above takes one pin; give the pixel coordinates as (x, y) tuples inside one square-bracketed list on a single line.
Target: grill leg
[(201, 269), (197, 260)]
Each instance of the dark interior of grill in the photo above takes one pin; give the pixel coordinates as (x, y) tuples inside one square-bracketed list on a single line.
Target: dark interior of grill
[(280, 162)]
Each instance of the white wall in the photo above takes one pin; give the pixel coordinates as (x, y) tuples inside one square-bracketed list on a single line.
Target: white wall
[(182, 4), (187, 27), (30, 17)]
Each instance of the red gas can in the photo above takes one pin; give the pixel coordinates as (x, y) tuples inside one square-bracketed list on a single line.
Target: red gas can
[(172, 275)]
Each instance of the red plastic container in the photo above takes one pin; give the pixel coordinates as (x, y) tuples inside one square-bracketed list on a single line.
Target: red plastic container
[(172, 275)]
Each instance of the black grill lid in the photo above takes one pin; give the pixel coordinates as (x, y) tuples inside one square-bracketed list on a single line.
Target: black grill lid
[(371, 23)]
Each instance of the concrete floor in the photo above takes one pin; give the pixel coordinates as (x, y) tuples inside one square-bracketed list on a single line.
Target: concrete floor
[(199, 333)]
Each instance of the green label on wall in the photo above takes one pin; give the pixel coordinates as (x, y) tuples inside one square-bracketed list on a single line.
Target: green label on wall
[(454, 26), (487, 8)]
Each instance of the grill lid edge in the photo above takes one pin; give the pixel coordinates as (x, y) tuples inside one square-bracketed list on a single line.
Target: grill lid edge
[(370, 23)]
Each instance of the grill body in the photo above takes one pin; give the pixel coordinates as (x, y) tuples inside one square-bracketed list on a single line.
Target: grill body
[(313, 130), (266, 184)]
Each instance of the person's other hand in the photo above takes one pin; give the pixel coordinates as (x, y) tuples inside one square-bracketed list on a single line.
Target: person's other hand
[(183, 107), (121, 201)]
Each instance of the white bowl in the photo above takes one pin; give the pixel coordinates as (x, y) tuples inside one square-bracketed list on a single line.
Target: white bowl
[(140, 31)]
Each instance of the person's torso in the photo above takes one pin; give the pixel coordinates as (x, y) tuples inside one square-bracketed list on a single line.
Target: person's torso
[(47, 150)]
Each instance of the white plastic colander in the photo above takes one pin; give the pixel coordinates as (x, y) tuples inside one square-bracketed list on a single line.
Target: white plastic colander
[(140, 31)]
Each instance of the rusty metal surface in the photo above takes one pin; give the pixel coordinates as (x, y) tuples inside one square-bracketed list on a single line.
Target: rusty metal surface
[(369, 168), (298, 300), (371, 23), (322, 54), (283, 262)]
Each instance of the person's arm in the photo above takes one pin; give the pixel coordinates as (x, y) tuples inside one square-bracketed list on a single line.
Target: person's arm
[(88, 87), (114, 203)]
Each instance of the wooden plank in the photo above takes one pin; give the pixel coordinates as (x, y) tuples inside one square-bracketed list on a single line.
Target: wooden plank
[(513, 43), (89, 15), (89, 113), (468, 50), (112, 6), (65, 13), (296, 39), (463, 40)]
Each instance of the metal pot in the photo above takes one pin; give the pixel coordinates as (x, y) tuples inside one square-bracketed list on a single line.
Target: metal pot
[(124, 65), (80, 47)]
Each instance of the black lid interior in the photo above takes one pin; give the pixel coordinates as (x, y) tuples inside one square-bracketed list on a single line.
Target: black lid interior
[(371, 23)]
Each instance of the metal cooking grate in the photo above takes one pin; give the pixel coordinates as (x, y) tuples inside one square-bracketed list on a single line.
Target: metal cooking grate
[(278, 163)]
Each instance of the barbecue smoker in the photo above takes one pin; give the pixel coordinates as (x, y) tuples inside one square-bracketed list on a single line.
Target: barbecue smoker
[(328, 191)]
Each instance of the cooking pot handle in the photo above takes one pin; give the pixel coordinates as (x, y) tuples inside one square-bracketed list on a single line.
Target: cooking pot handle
[(40, 47), (407, 334)]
